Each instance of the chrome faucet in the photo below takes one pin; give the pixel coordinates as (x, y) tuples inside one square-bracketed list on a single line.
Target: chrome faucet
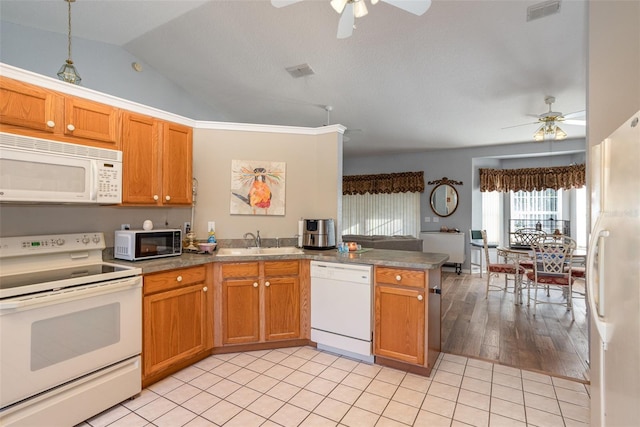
[(256, 239)]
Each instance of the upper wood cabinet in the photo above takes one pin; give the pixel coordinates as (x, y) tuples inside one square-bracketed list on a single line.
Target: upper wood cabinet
[(34, 111), (30, 107), (88, 120), (157, 161)]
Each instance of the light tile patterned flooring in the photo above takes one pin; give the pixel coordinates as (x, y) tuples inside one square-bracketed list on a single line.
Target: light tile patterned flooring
[(303, 386)]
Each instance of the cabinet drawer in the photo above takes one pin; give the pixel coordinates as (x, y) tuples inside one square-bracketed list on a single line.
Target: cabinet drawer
[(240, 269), (159, 282), (281, 268), (400, 276)]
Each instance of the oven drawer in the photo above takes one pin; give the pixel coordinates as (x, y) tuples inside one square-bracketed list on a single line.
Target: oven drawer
[(160, 282)]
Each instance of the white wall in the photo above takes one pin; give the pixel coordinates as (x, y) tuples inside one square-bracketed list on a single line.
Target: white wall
[(103, 67), (313, 179)]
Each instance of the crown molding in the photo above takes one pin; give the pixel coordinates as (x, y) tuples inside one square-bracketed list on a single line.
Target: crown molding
[(83, 92)]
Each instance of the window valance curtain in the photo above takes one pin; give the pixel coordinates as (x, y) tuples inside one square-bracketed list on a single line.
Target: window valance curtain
[(385, 183), (533, 179)]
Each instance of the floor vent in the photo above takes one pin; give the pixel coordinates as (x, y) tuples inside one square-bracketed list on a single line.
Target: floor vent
[(300, 70), (541, 10)]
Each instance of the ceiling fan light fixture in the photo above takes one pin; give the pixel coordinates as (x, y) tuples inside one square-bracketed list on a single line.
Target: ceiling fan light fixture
[(359, 8), (559, 134), (68, 72), (539, 135), (338, 5)]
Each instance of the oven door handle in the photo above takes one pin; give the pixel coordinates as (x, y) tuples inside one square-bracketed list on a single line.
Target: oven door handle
[(70, 294)]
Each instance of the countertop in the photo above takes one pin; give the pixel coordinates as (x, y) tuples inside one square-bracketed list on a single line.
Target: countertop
[(386, 257)]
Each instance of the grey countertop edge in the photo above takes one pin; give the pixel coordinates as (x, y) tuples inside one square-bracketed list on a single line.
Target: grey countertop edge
[(384, 257)]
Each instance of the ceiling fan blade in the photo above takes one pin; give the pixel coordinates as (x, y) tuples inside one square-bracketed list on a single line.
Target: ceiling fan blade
[(523, 124), (283, 3), (576, 114), (575, 122), (347, 19), (417, 7)]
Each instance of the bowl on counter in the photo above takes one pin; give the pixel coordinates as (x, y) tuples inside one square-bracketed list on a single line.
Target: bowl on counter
[(207, 247)]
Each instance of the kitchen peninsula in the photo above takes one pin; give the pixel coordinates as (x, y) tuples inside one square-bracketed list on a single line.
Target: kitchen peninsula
[(244, 303)]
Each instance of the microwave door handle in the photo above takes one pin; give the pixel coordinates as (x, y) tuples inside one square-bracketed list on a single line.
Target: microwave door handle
[(93, 189)]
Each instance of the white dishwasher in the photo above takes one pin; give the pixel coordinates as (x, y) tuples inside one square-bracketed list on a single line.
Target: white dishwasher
[(341, 320)]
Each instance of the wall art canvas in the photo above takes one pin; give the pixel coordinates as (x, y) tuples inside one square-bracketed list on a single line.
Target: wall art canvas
[(257, 187)]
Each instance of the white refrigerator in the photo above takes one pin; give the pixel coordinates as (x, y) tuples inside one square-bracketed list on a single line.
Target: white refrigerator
[(613, 277)]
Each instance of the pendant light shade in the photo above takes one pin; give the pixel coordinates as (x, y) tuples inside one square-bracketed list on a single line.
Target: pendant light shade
[(68, 72)]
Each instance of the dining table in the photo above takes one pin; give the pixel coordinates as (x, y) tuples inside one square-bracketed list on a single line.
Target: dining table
[(524, 256)]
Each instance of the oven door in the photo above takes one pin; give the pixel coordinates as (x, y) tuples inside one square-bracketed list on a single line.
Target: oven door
[(51, 338)]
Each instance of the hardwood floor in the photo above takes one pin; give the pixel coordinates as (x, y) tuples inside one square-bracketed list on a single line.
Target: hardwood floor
[(496, 329)]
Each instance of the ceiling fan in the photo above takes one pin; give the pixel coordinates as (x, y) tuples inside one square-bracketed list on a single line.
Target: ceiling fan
[(349, 10), (549, 128), (347, 132)]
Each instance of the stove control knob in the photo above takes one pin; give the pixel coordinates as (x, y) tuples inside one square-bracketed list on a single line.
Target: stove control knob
[(96, 239), (60, 242), (85, 240)]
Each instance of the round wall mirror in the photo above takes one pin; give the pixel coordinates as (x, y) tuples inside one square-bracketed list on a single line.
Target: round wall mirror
[(444, 200)]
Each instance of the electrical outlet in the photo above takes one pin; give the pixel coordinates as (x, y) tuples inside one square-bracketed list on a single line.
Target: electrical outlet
[(125, 226), (211, 226), (427, 219), (436, 219), (187, 227)]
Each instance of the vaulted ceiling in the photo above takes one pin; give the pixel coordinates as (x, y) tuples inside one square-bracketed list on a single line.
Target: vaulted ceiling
[(454, 77)]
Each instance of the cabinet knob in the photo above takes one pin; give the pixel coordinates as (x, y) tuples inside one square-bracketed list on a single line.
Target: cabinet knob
[(71, 127), (179, 278), (398, 277), (205, 289), (155, 197), (51, 124), (167, 198), (420, 298), (267, 284), (255, 284)]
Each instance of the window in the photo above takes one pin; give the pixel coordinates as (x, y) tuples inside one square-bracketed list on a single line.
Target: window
[(492, 215), (532, 206), (385, 214)]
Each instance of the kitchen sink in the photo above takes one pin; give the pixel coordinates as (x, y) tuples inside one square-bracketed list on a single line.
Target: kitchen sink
[(287, 250)]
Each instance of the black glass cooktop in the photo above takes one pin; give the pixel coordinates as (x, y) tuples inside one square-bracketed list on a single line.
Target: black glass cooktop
[(57, 275)]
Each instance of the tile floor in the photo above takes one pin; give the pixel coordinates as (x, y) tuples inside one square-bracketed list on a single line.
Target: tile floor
[(303, 386)]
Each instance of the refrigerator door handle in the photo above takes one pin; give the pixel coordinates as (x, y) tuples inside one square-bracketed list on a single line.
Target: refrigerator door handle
[(597, 242)]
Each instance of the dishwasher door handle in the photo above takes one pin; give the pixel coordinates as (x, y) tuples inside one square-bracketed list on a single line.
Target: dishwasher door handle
[(436, 291)]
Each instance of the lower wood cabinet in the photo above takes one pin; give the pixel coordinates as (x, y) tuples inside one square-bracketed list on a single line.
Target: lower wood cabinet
[(177, 320), (260, 301), (407, 315), (399, 323)]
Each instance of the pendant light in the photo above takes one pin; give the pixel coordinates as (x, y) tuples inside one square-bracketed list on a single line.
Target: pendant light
[(68, 72)]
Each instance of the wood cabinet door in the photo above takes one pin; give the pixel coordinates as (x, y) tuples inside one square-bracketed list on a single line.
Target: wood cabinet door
[(27, 106), (175, 326), (93, 121), (177, 158), (240, 311), (399, 323), (282, 308), (140, 160)]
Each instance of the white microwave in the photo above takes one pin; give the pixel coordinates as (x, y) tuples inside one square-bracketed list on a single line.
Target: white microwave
[(40, 170)]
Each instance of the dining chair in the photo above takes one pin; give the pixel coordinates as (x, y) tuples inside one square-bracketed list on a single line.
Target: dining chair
[(495, 269), (551, 256), (525, 237)]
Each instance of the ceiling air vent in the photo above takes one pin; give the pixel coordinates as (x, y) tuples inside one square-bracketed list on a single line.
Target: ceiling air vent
[(300, 70), (541, 10)]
